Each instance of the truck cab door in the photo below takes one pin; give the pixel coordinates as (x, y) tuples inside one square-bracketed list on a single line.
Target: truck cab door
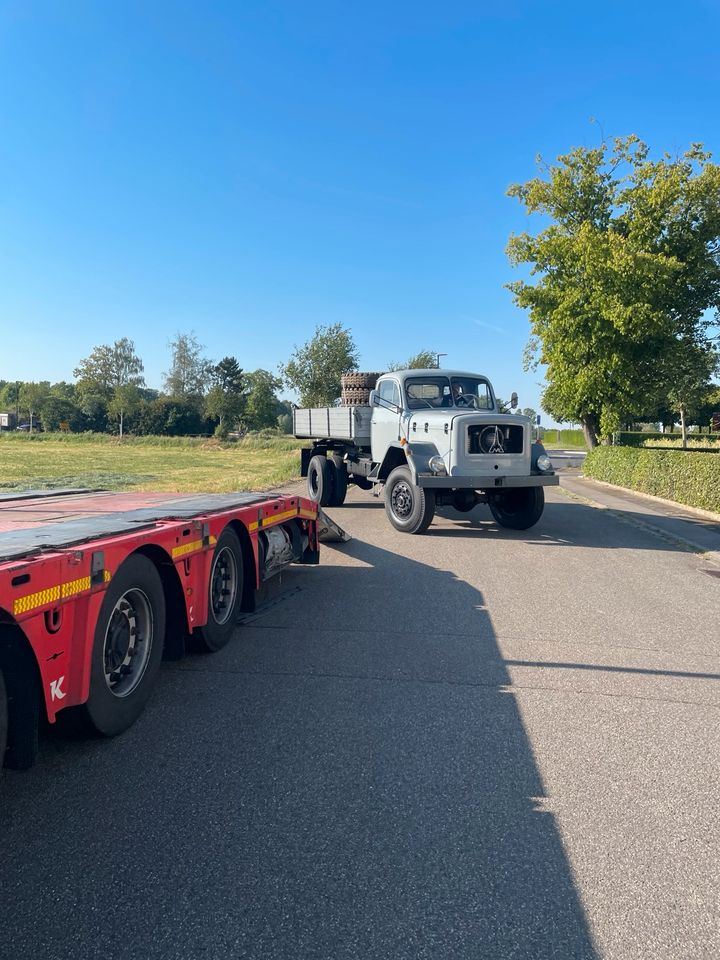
[(385, 419)]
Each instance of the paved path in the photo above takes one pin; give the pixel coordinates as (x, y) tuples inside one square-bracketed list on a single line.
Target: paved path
[(471, 744)]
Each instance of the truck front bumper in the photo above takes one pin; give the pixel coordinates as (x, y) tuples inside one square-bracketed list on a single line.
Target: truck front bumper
[(487, 483)]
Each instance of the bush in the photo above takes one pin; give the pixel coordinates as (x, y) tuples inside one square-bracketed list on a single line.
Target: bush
[(564, 438), (634, 438), (684, 476)]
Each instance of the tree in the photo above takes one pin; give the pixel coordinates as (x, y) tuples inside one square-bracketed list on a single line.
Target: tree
[(190, 373), (125, 401), (626, 270), (57, 412), (424, 360), (109, 367), (225, 399), (262, 406), (688, 371), (31, 398), (315, 369)]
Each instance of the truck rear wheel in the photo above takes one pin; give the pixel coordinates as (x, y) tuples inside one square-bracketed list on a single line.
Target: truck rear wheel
[(127, 648), (517, 509), (340, 484), (320, 480), (410, 508), (224, 593)]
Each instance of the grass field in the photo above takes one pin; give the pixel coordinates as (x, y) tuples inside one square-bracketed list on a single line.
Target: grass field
[(43, 461)]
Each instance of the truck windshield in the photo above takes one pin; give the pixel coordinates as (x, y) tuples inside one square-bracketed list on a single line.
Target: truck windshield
[(462, 392)]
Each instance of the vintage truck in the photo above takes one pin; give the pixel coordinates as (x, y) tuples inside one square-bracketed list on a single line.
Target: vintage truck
[(429, 437)]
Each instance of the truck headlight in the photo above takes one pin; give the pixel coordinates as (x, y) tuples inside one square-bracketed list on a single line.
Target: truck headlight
[(544, 464), (437, 465)]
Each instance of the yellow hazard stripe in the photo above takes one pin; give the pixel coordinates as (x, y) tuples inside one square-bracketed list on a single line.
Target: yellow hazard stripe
[(42, 598), (185, 548), (274, 518)]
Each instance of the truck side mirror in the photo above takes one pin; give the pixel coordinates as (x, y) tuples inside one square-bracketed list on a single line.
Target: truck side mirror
[(513, 401), (372, 398)]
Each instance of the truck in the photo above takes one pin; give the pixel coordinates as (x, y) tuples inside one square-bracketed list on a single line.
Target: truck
[(96, 588), (427, 438)]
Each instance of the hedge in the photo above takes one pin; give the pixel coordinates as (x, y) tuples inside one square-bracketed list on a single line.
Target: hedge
[(678, 475), (634, 438), (566, 438)]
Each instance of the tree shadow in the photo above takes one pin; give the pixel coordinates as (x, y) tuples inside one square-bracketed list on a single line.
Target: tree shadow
[(351, 778)]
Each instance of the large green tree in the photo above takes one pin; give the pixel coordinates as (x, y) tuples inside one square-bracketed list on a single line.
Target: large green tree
[(315, 369), (622, 277), (112, 375)]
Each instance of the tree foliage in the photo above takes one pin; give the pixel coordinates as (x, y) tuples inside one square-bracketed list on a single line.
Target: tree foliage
[(190, 374), (225, 399), (315, 369), (621, 279), (262, 407), (424, 360), (109, 367)]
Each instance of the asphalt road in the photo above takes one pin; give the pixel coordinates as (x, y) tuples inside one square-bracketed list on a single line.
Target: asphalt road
[(472, 744)]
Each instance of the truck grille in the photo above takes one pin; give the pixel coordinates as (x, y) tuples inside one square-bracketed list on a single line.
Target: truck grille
[(495, 438)]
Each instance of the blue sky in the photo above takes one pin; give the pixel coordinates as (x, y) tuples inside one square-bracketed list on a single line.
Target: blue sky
[(249, 170)]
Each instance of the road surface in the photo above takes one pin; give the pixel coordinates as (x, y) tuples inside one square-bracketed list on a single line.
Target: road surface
[(475, 743)]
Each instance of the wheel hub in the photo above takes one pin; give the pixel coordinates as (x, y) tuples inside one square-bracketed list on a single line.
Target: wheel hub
[(402, 500), (128, 639), (223, 586)]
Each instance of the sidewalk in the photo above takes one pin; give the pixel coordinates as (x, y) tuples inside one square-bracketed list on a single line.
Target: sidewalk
[(699, 530)]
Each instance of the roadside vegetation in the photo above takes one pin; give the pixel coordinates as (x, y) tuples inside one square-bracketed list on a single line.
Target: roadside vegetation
[(258, 461), (686, 477)]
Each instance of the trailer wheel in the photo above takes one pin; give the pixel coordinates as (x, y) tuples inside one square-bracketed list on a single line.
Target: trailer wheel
[(3, 720), (340, 484), (224, 592), (517, 509), (127, 648), (320, 480), (410, 508)]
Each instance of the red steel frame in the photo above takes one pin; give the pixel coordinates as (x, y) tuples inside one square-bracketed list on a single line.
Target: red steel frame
[(55, 599)]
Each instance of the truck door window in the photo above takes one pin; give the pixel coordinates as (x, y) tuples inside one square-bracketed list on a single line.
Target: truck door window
[(390, 391)]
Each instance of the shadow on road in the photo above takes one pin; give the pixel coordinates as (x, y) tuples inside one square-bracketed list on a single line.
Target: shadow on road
[(351, 778), (575, 524)]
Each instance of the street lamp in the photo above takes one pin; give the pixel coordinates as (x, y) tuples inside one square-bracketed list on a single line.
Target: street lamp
[(438, 357)]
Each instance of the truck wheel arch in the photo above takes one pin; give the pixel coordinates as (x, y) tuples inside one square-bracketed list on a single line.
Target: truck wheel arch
[(394, 457)]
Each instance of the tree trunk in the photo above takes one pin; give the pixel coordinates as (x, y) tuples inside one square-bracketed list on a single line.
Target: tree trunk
[(589, 426), (683, 428)]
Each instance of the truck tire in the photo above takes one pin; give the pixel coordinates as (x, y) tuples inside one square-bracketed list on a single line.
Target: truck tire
[(517, 509), (410, 508), (340, 484), (3, 721), (127, 648), (358, 379), (320, 480), (225, 586)]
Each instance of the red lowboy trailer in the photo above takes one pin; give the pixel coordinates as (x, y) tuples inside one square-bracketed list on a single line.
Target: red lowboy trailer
[(96, 587)]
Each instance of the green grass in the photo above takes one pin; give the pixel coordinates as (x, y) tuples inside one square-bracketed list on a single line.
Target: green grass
[(182, 464)]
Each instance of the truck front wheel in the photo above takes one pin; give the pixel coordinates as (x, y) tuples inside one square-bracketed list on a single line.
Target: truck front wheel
[(410, 508), (517, 509), (320, 480)]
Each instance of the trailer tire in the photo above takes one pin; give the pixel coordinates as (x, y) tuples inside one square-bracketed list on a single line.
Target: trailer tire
[(320, 480), (519, 508), (340, 484), (134, 604), (410, 508), (3, 720), (225, 588)]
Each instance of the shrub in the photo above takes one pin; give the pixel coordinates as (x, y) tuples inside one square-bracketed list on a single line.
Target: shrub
[(688, 477)]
